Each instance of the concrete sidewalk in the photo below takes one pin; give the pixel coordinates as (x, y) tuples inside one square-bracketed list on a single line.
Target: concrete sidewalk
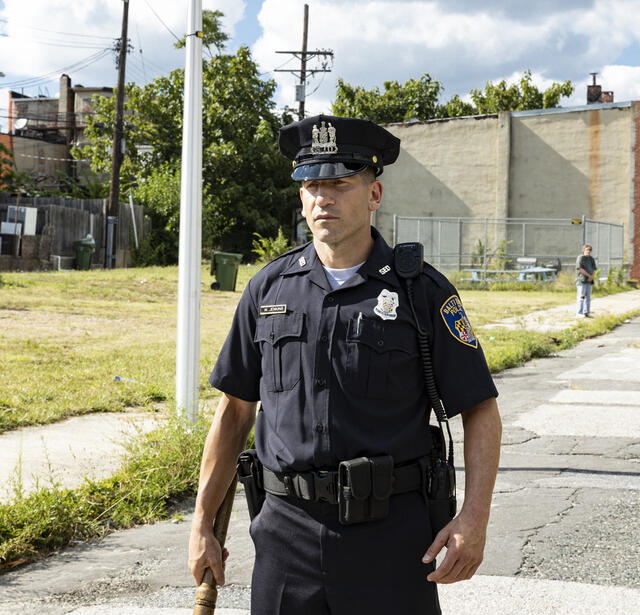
[(89, 446), (482, 595), (564, 316)]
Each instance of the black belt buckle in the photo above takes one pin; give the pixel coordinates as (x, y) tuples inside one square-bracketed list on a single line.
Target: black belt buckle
[(325, 486)]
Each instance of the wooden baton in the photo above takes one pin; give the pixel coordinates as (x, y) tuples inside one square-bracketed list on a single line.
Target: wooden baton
[(207, 592)]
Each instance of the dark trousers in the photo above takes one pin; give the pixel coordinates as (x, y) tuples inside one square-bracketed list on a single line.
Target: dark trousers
[(307, 563)]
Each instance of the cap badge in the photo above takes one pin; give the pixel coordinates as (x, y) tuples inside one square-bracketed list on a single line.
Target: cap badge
[(323, 139)]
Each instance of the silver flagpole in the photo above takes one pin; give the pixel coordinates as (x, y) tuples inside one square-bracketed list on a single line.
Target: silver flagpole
[(189, 267)]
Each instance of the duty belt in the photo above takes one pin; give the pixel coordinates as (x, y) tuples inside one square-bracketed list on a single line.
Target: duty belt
[(361, 487)]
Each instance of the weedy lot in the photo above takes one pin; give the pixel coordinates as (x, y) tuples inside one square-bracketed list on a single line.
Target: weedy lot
[(65, 338)]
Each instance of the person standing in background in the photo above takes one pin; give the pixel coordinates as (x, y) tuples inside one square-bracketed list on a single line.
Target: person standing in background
[(585, 272)]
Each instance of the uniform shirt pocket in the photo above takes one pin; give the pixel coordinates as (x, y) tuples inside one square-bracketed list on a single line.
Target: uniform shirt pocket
[(382, 358), (280, 338)]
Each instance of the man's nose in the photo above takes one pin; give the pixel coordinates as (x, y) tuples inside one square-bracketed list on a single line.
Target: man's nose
[(324, 196)]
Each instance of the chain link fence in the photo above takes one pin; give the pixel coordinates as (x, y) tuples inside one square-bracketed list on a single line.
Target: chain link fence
[(497, 243)]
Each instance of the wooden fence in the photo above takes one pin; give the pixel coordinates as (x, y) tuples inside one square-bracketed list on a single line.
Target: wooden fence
[(64, 221)]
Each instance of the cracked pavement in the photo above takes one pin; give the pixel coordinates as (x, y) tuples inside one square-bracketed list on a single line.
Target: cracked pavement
[(563, 535)]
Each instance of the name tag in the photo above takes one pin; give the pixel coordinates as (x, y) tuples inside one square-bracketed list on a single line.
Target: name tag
[(265, 310)]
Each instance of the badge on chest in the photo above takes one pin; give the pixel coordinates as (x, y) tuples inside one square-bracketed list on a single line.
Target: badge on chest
[(387, 305)]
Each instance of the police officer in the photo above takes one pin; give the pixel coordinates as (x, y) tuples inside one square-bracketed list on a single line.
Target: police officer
[(325, 339)]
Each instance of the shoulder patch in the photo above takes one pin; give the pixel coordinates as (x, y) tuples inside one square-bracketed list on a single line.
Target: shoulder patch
[(457, 322)]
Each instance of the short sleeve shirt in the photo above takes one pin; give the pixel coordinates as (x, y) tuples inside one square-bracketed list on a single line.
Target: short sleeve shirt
[(338, 372)]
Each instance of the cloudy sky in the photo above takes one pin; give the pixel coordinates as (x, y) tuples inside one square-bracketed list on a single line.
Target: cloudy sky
[(462, 43)]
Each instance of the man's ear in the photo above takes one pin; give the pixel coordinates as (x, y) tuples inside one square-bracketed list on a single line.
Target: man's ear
[(375, 195)]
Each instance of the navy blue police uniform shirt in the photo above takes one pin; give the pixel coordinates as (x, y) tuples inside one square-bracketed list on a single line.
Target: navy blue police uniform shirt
[(338, 372)]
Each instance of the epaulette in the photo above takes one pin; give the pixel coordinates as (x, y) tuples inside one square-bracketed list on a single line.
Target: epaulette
[(286, 255), (292, 251), (433, 274)]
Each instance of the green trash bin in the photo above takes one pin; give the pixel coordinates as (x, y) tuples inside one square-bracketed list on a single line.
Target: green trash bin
[(224, 265), (84, 252)]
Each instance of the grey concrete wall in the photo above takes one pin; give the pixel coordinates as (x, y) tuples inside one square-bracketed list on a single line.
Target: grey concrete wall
[(561, 163), (445, 168), (46, 161)]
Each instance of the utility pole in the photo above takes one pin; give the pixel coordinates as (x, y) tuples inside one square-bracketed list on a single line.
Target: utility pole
[(118, 142), (303, 63), (303, 56)]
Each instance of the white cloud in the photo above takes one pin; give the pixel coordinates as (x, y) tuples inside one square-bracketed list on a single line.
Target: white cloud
[(462, 44), (623, 80), (33, 46)]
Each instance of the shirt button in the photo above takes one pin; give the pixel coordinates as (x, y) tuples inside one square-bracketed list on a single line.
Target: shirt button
[(380, 342), (319, 427), (324, 339), (320, 382), (330, 299)]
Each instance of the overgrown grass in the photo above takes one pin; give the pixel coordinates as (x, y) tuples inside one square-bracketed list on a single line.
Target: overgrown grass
[(161, 468), (67, 335), (505, 348)]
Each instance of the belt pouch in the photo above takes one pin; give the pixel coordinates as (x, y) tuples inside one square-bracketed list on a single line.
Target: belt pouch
[(354, 489), (250, 475), (381, 486)]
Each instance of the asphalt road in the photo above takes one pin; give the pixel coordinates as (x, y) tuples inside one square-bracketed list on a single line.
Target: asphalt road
[(563, 536)]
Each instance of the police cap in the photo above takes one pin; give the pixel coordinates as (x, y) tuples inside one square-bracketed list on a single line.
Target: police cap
[(328, 147)]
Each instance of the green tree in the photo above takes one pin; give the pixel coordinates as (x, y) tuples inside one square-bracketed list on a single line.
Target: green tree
[(456, 107), (246, 181), (417, 98), (519, 96), (213, 34)]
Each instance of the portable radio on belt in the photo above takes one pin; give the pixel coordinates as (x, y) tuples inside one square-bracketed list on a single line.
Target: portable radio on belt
[(408, 263)]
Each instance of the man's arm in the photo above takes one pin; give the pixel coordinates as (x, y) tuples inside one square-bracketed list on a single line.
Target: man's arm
[(582, 270), (227, 438), (465, 535), (585, 273)]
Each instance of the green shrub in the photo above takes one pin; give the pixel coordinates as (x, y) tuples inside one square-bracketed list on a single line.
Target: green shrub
[(267, 248)]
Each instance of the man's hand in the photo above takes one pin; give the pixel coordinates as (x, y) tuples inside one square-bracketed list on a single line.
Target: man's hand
[(464, 539), (205, 552), (465, 535)]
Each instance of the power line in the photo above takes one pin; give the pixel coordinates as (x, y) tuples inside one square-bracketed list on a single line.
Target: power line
[(160, 20), (92, 36), (276, 68), (144, 68), (32, 81), (68, 45)]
